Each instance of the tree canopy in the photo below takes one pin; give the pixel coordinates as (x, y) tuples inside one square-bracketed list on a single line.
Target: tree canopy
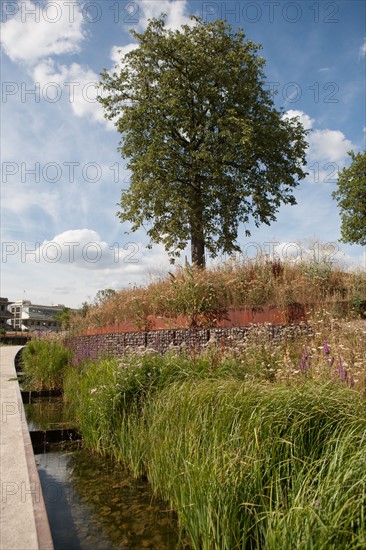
[(64, 318), (104, 295), (206, 147), (351, 198)]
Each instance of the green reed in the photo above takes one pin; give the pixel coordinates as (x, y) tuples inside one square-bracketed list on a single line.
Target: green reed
[(260, 466), (44, 363), (245, 462)]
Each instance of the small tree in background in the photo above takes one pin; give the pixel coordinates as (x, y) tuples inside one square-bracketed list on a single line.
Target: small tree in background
[(64, 318), (351, 198), (206, 147), (104, 295)]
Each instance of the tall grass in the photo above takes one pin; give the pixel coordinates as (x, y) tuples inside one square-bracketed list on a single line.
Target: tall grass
[(103, 392), (203, 296), (255, 466), (247, 461), (44, 362)]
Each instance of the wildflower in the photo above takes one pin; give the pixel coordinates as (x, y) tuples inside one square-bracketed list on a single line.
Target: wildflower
[(305, 361), (93, 390), (326, 348), (342, 372)]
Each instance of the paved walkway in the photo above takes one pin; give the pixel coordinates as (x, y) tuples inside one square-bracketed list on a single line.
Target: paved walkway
[(23, 522)]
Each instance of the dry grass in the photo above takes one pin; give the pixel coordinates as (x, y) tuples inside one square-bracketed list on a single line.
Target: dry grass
[(204, 296)]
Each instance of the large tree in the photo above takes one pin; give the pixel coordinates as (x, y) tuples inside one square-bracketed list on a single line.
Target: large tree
[(351, 198), (206, 147)]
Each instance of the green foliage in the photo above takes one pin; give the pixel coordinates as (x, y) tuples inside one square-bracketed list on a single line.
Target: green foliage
[(359, 296), (245, 464), (44, 362), (103, 296), (102, 392), (93, 394), (351, 198), (206, 147), (64, 317), (196, 298), (83, 312), (255, 466)]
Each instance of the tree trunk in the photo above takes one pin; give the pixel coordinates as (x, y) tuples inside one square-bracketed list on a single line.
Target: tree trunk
[(198, 250), (197, 233)]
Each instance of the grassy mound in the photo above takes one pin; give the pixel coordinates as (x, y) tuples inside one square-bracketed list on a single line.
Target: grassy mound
[(203, 296)]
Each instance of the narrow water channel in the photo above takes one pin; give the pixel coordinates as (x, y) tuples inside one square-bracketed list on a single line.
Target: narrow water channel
[(93, 503), (47, 413)]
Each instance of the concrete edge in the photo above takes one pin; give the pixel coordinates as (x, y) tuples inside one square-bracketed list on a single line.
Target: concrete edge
[(44, 536)]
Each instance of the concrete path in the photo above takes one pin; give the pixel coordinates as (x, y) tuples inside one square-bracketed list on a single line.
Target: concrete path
[(23, 522)]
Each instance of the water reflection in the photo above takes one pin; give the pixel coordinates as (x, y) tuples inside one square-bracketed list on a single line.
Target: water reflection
[(93, 504), (47, 414)]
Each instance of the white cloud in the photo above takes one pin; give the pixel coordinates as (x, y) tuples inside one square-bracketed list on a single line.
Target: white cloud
[(33, 39), (309, 250), (305, 120), (356, 262), (329, 146), (44, 73), (74, 265), (362, 51), (53, 29), (326, 145), (49, 30), (117, 52), (176, 16), (84, 248), (18, 203), (79, 85), (294, 251), (176, 12)]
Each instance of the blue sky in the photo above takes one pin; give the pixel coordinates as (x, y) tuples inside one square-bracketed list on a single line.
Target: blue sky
[(62, 174)]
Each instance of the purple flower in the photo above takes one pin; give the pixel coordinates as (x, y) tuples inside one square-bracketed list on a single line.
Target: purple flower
[(305, 361), (342, 371), (326, 348)]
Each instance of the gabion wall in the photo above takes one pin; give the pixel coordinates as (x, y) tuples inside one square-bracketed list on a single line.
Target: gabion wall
[(116, 344)]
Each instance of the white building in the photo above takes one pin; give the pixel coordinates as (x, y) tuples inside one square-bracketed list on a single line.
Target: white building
[(31, 317)]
